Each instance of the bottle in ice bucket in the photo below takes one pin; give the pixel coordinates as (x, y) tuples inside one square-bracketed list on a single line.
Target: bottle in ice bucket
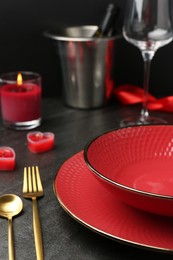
[(107, 25)]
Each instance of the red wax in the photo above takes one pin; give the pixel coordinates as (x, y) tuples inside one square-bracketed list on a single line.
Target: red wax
[(21, 103), (40, 142), (7, 158)]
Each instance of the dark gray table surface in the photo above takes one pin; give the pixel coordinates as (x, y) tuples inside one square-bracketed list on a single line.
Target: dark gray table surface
[(63, 237)]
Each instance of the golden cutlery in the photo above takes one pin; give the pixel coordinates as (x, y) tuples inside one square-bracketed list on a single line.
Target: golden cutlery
[(10, 206), (32, 188)]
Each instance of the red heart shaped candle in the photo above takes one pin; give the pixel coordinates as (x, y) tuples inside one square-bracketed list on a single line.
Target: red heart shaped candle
[(40, 142), (7, 158)]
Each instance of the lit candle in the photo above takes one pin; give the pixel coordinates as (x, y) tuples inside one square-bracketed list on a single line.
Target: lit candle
[(21, 100), (7, 158), (40, 142)]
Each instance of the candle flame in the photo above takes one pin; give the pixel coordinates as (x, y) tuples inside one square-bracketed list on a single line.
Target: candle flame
[(19, 79)]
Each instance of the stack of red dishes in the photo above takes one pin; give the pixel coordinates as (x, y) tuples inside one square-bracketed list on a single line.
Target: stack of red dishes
[(121, 186)]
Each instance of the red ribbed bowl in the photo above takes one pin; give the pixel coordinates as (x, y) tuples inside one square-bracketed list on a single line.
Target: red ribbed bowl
[(136, 164)]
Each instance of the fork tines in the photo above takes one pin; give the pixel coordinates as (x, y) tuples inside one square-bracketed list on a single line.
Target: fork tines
[(32, 185)]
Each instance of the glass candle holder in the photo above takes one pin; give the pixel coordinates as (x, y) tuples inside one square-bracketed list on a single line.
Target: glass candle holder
[(21, 100)]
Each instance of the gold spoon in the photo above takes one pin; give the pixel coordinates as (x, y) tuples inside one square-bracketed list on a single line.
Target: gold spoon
[(10, 205)]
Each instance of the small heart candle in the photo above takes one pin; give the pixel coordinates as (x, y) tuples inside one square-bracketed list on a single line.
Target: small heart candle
[(7, 158), (40, 142)]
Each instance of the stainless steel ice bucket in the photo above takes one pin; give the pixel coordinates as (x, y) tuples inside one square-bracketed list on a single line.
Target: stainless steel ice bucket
[(86, 66)]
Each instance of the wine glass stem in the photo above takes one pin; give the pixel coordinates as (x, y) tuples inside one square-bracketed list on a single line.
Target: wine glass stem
[(147, 57)]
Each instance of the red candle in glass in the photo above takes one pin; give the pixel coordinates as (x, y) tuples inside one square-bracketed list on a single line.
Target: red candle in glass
[(40, 142), (21, 100), (7, 158)]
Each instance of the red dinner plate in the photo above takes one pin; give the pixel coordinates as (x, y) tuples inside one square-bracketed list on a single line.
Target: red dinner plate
[(88, 202)]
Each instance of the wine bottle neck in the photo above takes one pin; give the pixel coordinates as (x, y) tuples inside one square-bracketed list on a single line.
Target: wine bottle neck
[(108, 23), (109, 20)]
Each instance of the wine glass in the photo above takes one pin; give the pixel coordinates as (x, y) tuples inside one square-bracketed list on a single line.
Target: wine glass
[(148, 26)]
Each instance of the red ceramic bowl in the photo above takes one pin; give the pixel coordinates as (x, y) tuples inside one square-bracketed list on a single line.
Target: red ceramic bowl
[(136, 164)]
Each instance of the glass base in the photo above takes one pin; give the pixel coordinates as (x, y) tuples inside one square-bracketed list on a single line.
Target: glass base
[(22, 125), (136, 120)]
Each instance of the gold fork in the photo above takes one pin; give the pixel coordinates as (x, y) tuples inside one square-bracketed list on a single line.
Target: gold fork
[(32, 188)]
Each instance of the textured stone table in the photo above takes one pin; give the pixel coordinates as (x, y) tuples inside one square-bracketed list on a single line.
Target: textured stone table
[(63, 237)]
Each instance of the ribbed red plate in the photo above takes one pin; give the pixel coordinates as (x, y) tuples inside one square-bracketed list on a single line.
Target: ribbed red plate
[(88, 202)]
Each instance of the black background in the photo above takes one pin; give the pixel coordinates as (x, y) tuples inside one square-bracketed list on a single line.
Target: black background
[(23, 46)]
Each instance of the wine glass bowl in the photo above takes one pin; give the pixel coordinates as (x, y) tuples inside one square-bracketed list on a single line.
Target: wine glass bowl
[(148, 26)]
